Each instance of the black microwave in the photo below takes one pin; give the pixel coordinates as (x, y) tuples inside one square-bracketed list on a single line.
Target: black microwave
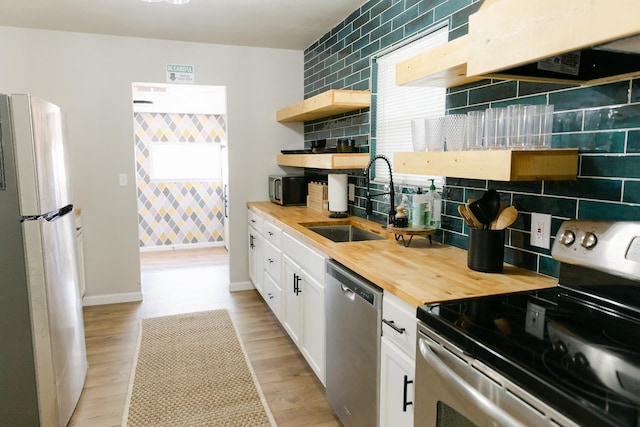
[(288, 190)]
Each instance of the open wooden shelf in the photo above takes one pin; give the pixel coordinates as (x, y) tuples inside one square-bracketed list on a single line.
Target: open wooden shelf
[(325, 161), (442, 66), (326, 104), (496, 165)]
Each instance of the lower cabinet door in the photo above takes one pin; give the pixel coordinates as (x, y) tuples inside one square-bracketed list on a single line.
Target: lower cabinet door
[(313, 336), (292, 289), (397, 376)]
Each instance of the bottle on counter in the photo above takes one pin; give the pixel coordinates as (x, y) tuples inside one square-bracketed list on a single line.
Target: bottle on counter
[(434, 200), (417, 209)]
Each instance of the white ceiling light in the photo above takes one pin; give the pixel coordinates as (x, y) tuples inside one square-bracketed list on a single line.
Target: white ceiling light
[(168, 1)]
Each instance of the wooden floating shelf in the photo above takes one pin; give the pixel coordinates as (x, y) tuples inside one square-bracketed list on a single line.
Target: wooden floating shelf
[(496, 165), (325, 161), (442, 66), (326, 104)]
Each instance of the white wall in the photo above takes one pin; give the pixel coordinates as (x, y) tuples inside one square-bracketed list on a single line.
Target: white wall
[(90, 77)]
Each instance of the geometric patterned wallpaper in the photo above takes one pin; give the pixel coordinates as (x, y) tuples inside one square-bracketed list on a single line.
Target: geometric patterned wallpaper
[(177, 213)]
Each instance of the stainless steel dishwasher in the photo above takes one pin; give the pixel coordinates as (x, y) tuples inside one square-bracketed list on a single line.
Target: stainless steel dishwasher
[(353, 332)]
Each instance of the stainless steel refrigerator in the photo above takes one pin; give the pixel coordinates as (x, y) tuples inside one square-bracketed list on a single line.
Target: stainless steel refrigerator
[(42, 348)]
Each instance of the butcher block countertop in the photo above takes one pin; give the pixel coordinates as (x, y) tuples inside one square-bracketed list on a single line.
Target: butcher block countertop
[(418, 274)]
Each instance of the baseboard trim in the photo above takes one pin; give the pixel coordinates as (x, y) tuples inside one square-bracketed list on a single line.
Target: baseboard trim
[(181, 246), (241, 286), (111, 299)]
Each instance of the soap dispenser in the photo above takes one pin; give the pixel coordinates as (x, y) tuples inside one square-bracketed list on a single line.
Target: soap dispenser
[(434, 200), (418, 209)]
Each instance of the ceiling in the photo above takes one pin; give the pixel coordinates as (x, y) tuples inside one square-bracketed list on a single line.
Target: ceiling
[(284, 24)]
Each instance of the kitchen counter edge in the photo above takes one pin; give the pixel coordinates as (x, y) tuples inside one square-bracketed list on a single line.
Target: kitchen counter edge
[(419, 274)]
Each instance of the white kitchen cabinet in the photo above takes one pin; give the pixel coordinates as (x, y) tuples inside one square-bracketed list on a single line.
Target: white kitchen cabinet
[(397, 362), (292, 287), (303, 290), (255, 258), (273, 295), (304, 316), (397, 376)]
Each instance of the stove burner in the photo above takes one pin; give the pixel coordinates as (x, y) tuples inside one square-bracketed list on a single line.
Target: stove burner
[(615, 368), (574, 378)]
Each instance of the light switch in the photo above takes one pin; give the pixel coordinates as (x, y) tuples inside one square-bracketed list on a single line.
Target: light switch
[(352, 192), (124, 180)]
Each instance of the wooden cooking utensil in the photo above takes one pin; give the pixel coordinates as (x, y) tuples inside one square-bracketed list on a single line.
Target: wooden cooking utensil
[(507, 217), (469, 218)]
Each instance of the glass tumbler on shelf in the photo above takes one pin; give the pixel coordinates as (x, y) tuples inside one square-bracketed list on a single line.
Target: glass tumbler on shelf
[(475, 130), (455, 130), (434, 127), (542, 126), (419, 134), (495, 128), (520, 126)]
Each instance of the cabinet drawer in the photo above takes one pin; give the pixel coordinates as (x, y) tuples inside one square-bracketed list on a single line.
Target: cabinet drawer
[(309, 260), (273, 296), (255, 221), (272, 233), (272, 261), (403, 316)]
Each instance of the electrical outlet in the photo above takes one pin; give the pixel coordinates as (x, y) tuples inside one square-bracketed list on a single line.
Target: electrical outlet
[(541, 230), (352, 192), (534, 323)]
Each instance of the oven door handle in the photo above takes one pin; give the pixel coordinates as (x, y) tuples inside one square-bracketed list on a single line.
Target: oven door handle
[(464, 388)]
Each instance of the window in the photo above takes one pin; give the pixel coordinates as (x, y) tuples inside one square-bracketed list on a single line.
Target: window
[(185, 162), (398, 105)]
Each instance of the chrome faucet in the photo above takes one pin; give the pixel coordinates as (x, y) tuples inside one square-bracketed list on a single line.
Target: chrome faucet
[(391, 192)]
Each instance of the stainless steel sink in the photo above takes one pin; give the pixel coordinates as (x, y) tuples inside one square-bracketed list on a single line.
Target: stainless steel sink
[(344, 233)]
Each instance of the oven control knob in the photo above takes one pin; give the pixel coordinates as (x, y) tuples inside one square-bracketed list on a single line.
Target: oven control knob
[(567, 237), (558, 346), (589, 240), (580, 360)]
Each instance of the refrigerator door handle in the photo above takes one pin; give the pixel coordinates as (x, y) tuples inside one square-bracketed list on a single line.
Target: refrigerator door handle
[(49, 216)]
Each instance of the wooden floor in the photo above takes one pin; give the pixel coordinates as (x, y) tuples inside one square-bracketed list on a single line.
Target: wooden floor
[(187, 281)]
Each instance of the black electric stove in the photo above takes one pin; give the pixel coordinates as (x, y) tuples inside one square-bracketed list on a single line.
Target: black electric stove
[(575, 347)]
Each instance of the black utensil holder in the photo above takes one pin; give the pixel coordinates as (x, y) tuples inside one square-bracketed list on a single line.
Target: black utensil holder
[(486, 250)]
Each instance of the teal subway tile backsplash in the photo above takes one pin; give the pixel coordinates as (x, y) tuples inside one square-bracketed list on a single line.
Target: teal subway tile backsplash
[(631, 192), (494, 92), (592, 142), (611, 166), (567, 122), (608, 211), (602, 121), (558, 206), (603, 189), (633, 142), (592, 96), (616, 117)]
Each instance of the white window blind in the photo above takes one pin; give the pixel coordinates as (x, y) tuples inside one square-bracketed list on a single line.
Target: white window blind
[(398, 105)]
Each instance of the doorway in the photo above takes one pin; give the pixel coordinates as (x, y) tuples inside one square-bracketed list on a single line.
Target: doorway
[(180, 137)]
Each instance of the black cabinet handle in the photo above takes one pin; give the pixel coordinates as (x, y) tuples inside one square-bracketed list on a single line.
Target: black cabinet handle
[(392, 324), (251, 245), (404, 398), (296, 284)]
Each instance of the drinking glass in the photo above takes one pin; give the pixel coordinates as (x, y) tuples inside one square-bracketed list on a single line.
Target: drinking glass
[(495, 128), (542, 126), (455, 129), (475, 130), (520, 125), (434, 127), (419, 134)]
